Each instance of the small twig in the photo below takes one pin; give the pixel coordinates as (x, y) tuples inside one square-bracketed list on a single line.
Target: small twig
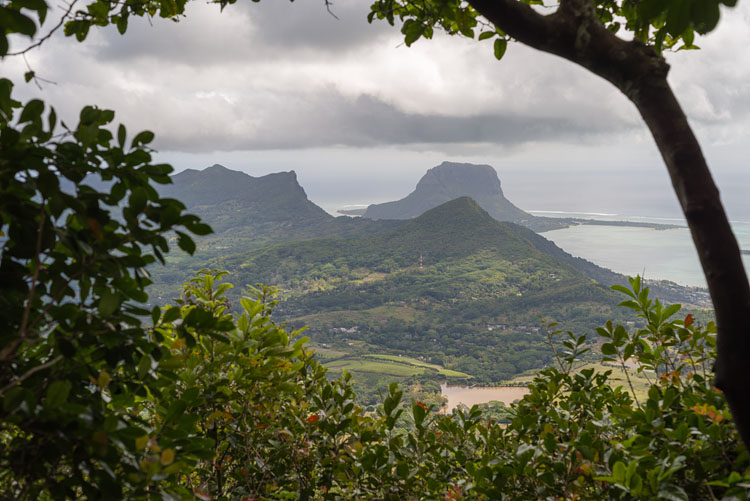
[(46, 37), (554, 350), (34, 76), (55, 299), (627, 376), (29, 373), (35, 276), (8, 351), (329, 4)]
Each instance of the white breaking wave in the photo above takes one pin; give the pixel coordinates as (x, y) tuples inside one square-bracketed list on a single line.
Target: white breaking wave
[(604, 214)]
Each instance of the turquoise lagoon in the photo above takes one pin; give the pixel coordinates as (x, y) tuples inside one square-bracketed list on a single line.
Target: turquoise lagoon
[(656, 254)]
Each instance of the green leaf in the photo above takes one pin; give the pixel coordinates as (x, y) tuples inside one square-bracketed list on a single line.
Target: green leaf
[(624, 290), (12, 398), (57, 394), (138, 200), (669, 311), (629, 351), (673, 493), (412, 31), (144, 366), (200, 229), (142, 138), (618, 471), (501, 45), (171, 315), (6, 102), (630, 304), (155, 314), (108, 302), (419, 412), (121, 135), (609, 349), (122, 23), (487, 34), (12, 21), (185, 242), (706, 15), (177, 408), (32, 111)]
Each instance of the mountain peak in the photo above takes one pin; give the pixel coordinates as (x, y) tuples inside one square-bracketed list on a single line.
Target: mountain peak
[(448, 181), (458, 206), (459, 179), (455, 217), (227, 198), (460, 227)]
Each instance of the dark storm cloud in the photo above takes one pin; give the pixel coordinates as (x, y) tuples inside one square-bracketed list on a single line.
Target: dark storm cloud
[(307, 24), (246, 31), (283, 75), (330, 119), (373, 118)]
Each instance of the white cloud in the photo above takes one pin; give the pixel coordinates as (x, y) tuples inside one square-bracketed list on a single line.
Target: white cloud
[(283, 76)]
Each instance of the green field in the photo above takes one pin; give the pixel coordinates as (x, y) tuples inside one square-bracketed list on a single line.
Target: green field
[(376, 366), (640, 383), (420, 363), (392, 365)]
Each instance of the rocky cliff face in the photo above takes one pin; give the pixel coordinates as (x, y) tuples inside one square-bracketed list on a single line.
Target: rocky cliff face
[(226, 198), (449, 181)]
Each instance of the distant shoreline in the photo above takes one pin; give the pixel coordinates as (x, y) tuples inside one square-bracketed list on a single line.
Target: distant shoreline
[(635, 224), (562, 222)]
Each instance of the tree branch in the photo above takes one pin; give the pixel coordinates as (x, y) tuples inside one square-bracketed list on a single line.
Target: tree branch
[(10, 350), (641, 74), (30, 373), (35, 275), (51, 32)]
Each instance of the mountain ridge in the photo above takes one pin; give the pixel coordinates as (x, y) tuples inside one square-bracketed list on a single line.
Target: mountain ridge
[(220, 194)]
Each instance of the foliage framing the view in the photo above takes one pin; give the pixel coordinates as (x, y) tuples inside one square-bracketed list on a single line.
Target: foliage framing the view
[(71, 275), (85, 411), (660, 23), (236, 407)]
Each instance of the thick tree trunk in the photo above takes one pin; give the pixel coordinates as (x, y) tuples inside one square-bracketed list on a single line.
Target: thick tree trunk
[(574, 32)]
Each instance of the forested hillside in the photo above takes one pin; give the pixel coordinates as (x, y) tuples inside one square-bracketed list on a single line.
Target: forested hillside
[(246, 213), (454, 286)]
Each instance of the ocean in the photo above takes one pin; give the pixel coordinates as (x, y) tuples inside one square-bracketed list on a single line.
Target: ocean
[(655, 254)]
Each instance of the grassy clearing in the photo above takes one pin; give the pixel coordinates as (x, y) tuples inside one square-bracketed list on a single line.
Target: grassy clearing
[(326, 353), (452, 373), (617, 378), (419, 363), (376, 366), (404, 360), (391, 365)]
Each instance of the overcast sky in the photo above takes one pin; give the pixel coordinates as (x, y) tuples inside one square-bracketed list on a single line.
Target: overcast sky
[(360, 117)]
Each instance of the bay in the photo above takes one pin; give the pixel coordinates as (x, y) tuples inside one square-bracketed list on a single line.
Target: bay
[(656, 254)]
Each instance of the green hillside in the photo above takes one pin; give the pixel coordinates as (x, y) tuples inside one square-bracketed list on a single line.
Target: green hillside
[(227, 199), (471, 306), (247, 213)]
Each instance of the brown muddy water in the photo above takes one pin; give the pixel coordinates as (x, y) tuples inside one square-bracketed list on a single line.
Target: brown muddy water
[(479, 395)]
